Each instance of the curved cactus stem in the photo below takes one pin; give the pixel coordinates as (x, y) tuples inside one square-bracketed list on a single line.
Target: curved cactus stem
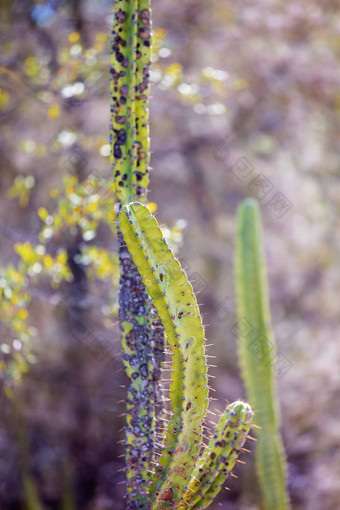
[(219, 457), (257, 355), (173, 297)]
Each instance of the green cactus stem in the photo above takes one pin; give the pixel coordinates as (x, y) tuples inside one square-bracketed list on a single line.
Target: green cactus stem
[(140, 180), (130, 71), (173, 297), (257, 353), (123, 84)]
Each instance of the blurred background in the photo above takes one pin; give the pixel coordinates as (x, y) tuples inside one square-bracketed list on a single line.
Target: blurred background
[(245, 101)]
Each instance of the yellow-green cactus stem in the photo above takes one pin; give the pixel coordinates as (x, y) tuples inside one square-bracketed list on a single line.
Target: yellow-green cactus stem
[(219, 457), (173, 297), (123, 84), (140, 179), (257, 353)]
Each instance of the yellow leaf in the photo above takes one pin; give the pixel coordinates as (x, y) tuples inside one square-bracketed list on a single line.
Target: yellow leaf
[(53, 111), (48, 261), (92, 207), (22, 314), (160, 33), (42, 213), (74, 37), (175, 68), (54, 193), (152, 206), (62, 257)]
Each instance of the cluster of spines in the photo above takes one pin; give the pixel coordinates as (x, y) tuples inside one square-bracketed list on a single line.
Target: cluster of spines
[(177, 307), (257, 355)]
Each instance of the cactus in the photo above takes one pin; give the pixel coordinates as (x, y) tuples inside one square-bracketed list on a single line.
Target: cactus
[(177, 307), (219, 457), (186, 475), (256, 354), (129, 132), (142, 334), (177, 483)]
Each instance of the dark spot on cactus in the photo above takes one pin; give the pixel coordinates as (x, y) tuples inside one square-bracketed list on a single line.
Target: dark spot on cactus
[(117, 151), (145, 17), (119, 57), (143, 86), (120, 16), (121, 136), (213, 455), (188, 406), (146, 43), (161, 276), (144, 33), (124, 89), (125, 176), (180, 315), (117, 173), (167, 495), (121, 184)]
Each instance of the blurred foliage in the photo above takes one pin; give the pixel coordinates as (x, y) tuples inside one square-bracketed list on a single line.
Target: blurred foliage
[(247, 83)]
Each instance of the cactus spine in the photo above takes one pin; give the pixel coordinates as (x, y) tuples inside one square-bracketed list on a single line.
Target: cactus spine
[(256, 349)]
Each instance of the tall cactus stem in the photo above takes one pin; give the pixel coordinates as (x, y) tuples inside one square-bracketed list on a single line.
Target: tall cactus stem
[(257, 355)]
